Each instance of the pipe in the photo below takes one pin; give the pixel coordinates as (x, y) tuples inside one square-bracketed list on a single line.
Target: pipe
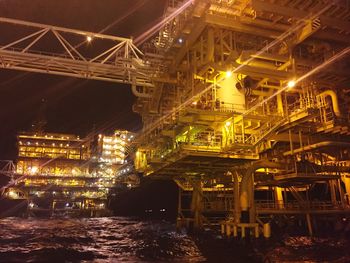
[(244, 198), (257, 64), (334, 98), (316, 146), (225, 10), (140, 94), (246, 59), (210, 48)]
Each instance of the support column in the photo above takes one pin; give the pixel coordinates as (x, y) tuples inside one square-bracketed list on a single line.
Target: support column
[(237, 210), (309, 224), (247, 185), (197, 204), (252, 210), (341, 193), (279, 197), (332, 186), (179, 210), (279, 104), (346, 181)]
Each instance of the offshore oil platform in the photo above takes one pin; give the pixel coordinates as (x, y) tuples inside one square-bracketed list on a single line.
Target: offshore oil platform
[(61, 174), (245, 105)]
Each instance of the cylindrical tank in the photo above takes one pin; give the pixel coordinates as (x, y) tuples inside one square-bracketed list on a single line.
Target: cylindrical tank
[(228, 95), (267, 230)]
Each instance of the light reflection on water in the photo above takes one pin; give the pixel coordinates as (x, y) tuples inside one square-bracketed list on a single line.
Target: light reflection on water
[(122, 239), (93, 239)]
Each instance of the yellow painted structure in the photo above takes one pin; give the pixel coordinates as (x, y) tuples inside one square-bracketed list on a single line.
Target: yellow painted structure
[(238, 98), (75, 174), (250, 92)]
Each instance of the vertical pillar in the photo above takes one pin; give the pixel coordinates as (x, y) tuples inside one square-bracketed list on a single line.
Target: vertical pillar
[(290, 141), (196, 204), (346, 181), (237, 212), (279, 104), (244, 198), (341, 193), (252, 210), (309, 224), (279, 197), (179, 208), (332, 185), (267, 230), (179, 204)]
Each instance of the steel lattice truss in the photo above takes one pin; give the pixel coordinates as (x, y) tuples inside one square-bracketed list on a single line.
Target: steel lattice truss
[(118, 61)]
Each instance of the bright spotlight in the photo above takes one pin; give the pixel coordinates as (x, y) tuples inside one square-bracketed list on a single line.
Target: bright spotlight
[(180, 40), (228, 74), (228, 123), (89, 39), (34, 170), (291, 83)]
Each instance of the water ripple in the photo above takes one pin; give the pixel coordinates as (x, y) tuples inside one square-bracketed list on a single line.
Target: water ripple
[(122, 239), (93, 239)]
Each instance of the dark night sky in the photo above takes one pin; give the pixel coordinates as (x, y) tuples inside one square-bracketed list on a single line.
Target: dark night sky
[(72, 105)]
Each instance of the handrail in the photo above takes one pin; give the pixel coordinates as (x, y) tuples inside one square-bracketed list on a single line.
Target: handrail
[(295, 205)]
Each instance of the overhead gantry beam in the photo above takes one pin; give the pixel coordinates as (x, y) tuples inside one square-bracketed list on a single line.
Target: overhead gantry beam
[(266, 29), (120, 62), (265, 6), (236, 25)]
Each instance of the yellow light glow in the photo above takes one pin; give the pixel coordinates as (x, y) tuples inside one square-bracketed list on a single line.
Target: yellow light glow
[(88, 38), (12, 194), (228, 74), (34, 169), (228, 123), (291, 83)]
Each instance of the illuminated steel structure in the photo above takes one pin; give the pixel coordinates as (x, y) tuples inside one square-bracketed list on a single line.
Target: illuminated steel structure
[(113, 149), (111, 155), (34, 150), (254, 118), (56, 172), (245, 105)]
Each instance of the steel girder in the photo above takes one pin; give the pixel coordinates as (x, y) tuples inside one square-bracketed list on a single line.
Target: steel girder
[(120, 62)]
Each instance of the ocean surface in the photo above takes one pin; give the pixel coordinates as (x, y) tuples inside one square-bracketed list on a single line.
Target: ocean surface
[(124, 239)]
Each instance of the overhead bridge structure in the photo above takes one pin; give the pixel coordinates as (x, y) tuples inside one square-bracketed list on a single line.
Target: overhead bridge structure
[(245, 105)]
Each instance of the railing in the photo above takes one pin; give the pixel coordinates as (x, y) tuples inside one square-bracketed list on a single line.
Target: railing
[(176, 16), (123, 58), (294, 205), (265, 130)]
